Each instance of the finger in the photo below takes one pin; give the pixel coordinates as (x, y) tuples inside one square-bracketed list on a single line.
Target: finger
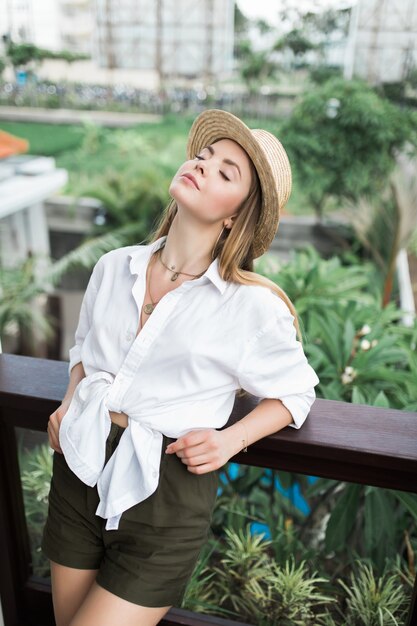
[(53, 438), (201, 469), (198, 459), (190, 439), (54, 427)]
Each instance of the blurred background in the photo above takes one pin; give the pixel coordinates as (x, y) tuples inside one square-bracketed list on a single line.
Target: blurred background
[(96, 101)]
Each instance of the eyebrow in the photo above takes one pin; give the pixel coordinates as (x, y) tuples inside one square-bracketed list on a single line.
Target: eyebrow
[(228, 161)]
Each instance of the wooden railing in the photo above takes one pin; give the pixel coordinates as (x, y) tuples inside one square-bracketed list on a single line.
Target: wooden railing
[(342, 441)]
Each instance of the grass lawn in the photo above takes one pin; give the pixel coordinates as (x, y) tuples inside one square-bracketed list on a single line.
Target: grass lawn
[(46, 139), (88, 152)]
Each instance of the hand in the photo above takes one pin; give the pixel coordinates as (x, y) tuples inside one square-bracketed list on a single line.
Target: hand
[(202, 450), (54, 423)]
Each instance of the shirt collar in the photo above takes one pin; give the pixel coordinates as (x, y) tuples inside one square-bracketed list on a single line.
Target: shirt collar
[(138, 260)]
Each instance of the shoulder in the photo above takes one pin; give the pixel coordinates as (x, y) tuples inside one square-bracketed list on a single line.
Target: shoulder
[(113, 264), (262, 303), (117, 254)]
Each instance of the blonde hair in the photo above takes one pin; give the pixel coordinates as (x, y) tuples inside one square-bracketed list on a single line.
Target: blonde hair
[(234, 247)]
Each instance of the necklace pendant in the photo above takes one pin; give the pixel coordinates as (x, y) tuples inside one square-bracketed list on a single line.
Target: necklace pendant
[(148, 308), (175, 276)]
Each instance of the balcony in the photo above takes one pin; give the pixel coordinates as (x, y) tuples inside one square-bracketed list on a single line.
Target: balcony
[(347, 442)]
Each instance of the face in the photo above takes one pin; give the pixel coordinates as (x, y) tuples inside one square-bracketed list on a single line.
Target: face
[(222, 181)]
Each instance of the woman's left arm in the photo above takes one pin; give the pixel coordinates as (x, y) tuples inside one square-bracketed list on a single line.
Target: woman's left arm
[(267, 418), (206, 450), (273, 367)]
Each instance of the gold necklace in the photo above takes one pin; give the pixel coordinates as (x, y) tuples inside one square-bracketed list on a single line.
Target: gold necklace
[(177, 273), (150, 306)]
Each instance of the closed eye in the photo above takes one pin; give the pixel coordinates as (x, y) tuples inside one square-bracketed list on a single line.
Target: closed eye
[(202, 159)]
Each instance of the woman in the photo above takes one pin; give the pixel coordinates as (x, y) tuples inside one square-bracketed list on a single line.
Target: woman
[(168, 333)]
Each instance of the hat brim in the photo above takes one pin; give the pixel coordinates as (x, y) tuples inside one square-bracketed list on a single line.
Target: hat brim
[(215, 124)]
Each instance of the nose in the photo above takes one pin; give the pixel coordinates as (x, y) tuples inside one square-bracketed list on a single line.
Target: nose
[(200, 165)]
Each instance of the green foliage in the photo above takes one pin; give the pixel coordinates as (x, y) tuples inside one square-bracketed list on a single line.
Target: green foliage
[(342, 137), (360, 350), (133, 186), (362, 354), (19, 291), (374, 602), (36, 472), (296, 41), (291, 596), (243, 565), (199, 596), (247, 583), (256, 66), (363, 520), (386, 225), (320, 74), (316, 284), (21, 54), (238, 574), (356, 369)]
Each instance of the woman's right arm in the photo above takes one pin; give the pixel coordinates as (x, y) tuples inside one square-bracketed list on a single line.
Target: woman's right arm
[(76, 375), (75, 366)]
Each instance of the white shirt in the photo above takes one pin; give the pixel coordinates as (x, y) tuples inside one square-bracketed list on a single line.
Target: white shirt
[(204, 340)]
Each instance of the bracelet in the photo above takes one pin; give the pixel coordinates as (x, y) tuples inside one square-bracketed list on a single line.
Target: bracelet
[(245, 445)]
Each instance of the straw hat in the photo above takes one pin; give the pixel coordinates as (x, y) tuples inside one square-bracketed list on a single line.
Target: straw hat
[(268, 156)]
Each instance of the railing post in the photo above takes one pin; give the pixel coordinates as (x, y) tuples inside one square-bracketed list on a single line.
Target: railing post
[(14, 538)]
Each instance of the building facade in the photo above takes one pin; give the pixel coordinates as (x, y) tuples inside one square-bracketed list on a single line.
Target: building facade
[(51, 24), (176, 38), (382, 45)]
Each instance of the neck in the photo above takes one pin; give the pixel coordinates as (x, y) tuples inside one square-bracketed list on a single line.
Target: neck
[(186, 251)]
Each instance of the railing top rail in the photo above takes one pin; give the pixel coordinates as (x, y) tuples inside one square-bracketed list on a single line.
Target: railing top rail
[(339, 439)]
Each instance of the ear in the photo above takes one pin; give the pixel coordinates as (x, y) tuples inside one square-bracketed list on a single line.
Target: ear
[(230, 222)]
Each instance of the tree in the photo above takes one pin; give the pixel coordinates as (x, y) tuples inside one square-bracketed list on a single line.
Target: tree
[(27, 54), (296, 41), (241, 21), (342, 138), (254, 65)]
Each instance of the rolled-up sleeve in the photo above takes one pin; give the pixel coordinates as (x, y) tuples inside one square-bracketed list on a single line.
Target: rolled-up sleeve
[(273, 365), (85, 316)]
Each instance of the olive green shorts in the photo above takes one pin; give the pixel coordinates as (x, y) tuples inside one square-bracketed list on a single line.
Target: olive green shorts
[(150, 558)]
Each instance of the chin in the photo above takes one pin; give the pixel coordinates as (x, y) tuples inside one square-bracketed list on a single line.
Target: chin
[(178, 192)]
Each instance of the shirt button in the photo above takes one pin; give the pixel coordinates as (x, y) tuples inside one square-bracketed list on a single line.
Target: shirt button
[(129, 336), (154, 474)]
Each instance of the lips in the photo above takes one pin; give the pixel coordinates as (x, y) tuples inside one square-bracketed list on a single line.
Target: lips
[(193, 180)]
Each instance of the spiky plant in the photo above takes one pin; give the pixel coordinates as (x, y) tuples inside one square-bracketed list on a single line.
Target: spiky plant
[(290, 596), (374, 601), (199, 594), (244, 564)]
